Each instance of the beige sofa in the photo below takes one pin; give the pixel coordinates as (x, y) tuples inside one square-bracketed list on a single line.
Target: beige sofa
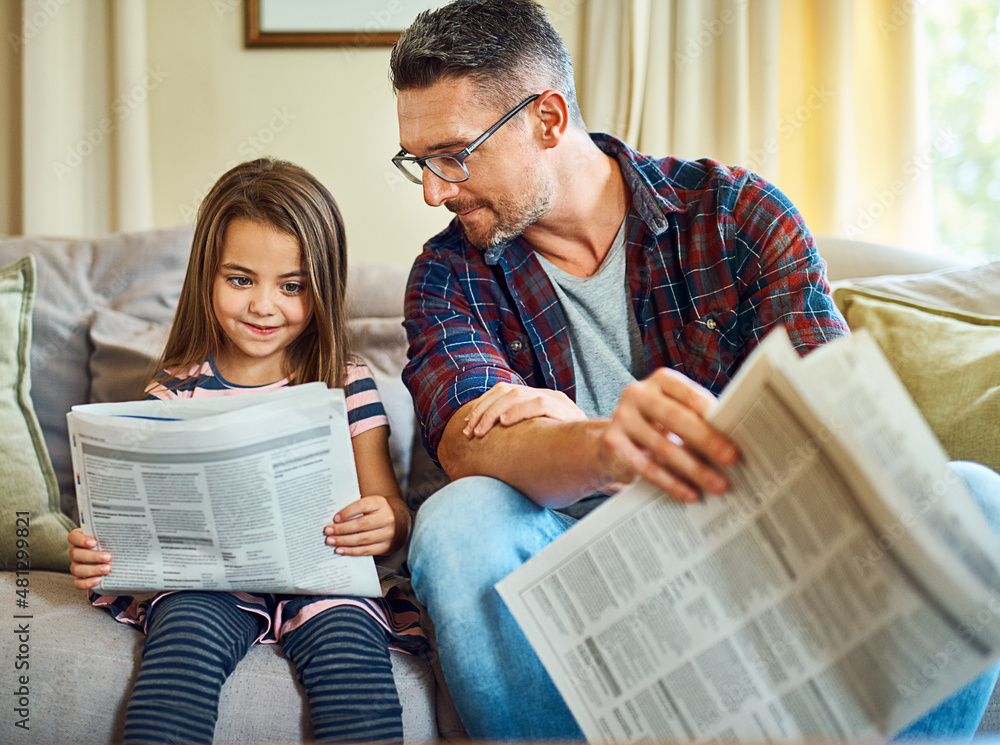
[(99, 312)]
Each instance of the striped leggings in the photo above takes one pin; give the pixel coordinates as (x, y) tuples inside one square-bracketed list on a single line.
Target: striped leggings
[(195, 640)]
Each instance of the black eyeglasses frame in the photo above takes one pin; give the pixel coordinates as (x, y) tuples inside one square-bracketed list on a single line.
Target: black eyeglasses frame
[(429, 160)]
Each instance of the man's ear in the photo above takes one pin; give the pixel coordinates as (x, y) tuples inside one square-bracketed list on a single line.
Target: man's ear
[(553, 117)]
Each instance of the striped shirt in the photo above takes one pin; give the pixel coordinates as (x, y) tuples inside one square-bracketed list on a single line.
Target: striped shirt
[(715, 258), (364, 407), (283, 613)]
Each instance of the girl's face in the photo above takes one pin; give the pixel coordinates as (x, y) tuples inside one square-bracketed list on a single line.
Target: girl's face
[(261, 299)]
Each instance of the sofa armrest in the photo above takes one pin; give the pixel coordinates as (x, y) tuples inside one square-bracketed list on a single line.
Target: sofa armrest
[(849, 259)]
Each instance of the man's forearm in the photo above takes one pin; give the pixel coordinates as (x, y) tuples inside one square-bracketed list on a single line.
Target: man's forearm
[(552, 463)]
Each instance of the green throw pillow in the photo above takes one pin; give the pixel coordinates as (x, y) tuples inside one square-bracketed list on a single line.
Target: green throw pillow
[(948, 360), (27, 483)]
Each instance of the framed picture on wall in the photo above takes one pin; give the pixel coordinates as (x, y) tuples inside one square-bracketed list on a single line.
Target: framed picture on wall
[(320, 23)]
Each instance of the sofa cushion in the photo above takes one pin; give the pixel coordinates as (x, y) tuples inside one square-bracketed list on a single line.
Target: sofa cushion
[(83, 664), (973, 289), (126, 349), (376, 290), (136, 273), (949, 361), (381, 344), (28, 486)]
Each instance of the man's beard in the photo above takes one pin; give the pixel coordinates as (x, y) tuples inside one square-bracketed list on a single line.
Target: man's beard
[(512, 217)]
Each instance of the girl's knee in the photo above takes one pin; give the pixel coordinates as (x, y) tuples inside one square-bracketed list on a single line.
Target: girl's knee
[(340, 638), (337, 624), (207, 625)]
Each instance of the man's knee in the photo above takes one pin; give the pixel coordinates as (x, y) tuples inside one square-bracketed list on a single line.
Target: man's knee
[(469, 534), (976, 475), (463, 512), (983, 483)]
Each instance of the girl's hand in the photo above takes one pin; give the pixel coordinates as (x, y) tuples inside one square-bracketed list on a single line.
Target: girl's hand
[(87, 564), (372, 526), (509, 404)]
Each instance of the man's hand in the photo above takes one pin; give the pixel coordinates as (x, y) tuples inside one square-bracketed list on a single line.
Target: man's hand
[(509, 404), (658, 432), (554, 455)]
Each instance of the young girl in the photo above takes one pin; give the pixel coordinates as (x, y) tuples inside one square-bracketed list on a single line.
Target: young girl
[(262, 307)]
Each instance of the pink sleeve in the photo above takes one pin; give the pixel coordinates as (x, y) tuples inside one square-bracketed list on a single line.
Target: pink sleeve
[(364, 406)]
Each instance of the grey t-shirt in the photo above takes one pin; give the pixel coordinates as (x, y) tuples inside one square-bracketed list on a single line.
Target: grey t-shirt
[(603, 333), (604, 336)]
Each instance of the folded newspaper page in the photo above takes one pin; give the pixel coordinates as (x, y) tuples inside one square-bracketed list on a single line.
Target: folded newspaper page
[(843, 586), (227, 493)]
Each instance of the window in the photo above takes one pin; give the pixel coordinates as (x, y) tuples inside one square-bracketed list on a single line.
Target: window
[(963, 48)]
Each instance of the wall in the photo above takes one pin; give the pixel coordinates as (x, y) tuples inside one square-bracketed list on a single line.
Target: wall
[(214, 103), (329, 110)]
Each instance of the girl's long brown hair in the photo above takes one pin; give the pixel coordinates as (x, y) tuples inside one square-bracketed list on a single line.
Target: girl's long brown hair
[(290, 199)]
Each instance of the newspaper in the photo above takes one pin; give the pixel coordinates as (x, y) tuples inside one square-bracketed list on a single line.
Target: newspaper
[(227, 493), (843, 586)]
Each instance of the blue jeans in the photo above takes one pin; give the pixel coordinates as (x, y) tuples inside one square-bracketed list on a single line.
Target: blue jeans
[(474, 532)]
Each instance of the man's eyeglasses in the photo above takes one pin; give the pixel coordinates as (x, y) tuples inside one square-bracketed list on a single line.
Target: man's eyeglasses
[(450, 166)]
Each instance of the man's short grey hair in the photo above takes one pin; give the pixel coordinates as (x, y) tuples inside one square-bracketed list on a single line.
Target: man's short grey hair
[(508, 48)]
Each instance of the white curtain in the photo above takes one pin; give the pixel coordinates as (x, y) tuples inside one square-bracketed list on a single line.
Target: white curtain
[(822, 97), (85, 136)]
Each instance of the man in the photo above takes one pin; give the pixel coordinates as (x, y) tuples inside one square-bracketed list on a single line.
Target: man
[(568, 330)]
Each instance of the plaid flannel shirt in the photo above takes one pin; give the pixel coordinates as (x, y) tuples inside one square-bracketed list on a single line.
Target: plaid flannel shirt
[(715, 257)]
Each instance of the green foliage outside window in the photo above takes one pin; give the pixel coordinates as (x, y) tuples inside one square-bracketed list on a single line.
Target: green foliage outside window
[(963, 38)]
